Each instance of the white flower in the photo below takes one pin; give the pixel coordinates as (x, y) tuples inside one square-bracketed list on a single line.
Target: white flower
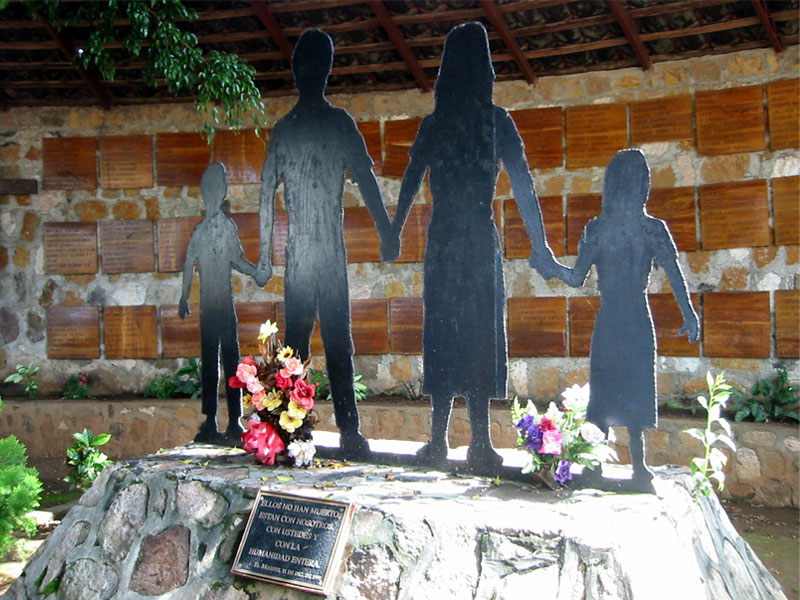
[(576, 398), (592, 433), (302, 452), (267, 329)]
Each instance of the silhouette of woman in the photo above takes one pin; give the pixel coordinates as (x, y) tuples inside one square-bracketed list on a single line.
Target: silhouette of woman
[(464, 342)]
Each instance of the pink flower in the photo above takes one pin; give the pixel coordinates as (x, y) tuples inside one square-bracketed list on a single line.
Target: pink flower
[(262, 439), (303, 394), (282, 382), (258, 399), (551, 443), (246, 369), (292, 366), (547, 425), (592, 433)]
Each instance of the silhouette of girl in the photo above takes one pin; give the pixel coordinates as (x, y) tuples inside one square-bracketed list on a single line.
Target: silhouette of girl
[(464, 342)]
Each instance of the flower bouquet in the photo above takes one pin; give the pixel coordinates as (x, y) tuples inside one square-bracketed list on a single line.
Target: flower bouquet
[(561, 437), (281, 399)]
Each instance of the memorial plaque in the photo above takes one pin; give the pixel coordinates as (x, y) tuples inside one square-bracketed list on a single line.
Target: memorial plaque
[(736, 324), (415, 233), (595, 133), (173, 237), (517, 242), (126, 161), (676, 207), (734, 215), (181, 158), (783, 106), (668, 320), (73, 332), (730, 121), (249, 232), (317, 348), (542, 132), (70, 248), (127, 246), (69, 163), (787, 323), (398, 137), (370, 326), (249, 317), (360, 236), (405, 325), (294, 541), (581, 208), (130, 332), (242, 154), (537, 327), (661, 120), (371, 130), (180, 338), (582, 313), (786, 209)]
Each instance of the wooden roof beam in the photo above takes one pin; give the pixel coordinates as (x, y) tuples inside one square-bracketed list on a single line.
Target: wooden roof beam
[(68, 50), (499, 23), (269, 21), (629, 29), (394, 33), (763, 14)]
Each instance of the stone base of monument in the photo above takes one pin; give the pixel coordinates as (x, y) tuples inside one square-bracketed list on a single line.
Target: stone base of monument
[(169, 525)]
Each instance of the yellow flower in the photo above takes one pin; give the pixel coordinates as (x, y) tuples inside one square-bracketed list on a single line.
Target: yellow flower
[(267, 329), (297, 411), (246, 400), (289, 423), (273, 400), (284, 353)]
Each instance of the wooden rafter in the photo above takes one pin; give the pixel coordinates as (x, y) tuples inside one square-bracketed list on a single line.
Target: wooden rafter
[(394, 33), (629, 29), (763, 14), (499, 23), (68, 50), (269, 21)]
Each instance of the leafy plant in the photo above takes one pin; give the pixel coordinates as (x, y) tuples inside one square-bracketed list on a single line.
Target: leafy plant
[(320, 379), (411, 390), (84, 461), (161, 387), (185, 382), (768, 401), (76, 387), (20, 489), (27, 377), (710, 465)]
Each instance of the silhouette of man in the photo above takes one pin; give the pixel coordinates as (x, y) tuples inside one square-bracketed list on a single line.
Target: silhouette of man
[(310, 149), (215, 247)]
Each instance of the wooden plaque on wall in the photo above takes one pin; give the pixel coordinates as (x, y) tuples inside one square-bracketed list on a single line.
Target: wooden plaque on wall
[(668, 320), (595, 133), (69, 163), (398, 137), (242, 154), (130, 332), (582, 313), (371, 131), (73, 332), (180, 338), (787, 323), (415, 233), (517, 242), (661, 120), (730, 121), (676, 207), (370, 324), (360, 236), (173, 237), (542, 132), (580, 210), (786, 209), (405, 325), (734, 215), (70, 248), (181, 158), (783, 105), (127, 246), (736, 324), (126, 161), (537, 327), (250, 316)]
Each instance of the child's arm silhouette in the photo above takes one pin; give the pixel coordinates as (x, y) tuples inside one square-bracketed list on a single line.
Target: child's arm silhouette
[(575, 276), (188, 269)]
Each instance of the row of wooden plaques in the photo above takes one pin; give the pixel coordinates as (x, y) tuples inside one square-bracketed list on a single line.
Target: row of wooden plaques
[(728, 121), (735, 324)]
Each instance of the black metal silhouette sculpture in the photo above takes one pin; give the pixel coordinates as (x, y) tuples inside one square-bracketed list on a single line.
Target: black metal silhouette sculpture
[(215, 247), (622, 243), (310, 149), (464, 342)]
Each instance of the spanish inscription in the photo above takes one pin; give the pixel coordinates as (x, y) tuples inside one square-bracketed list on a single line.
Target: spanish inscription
[(294, 541), (126, 161), (73, 332), (661, 120), (595, 133), (173, 236), (730, 121), (783, 98), (69, 163), (70, 248), (130, 332), (127, 246)]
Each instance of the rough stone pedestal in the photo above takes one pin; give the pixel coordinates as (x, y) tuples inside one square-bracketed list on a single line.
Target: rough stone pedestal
[(168, 526)]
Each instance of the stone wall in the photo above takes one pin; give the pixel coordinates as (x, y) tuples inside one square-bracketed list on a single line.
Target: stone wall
[(765, 468), (769, 271)]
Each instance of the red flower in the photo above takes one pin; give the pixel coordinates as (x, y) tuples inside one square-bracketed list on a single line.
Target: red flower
[(282, 382), (235, 382), (547, 425), (262, 439), (303, 394)]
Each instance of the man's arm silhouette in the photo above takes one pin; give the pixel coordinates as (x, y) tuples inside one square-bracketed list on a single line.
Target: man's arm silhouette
[(266, 214)]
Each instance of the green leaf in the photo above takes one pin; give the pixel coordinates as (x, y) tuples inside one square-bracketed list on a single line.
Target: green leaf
[(101, 439), (285, 478), (725, 439)]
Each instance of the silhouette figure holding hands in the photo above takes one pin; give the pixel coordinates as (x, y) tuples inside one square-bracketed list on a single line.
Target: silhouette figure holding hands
[(622, 243), (310, 149), (464, 342), (215, 247)]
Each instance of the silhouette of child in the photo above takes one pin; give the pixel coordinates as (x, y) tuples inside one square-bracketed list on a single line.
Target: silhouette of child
[(215, 247), (622, 243)]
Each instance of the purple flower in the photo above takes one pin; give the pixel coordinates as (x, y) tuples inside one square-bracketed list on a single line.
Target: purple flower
[(534, 441), (526, 423), (563, 474)]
